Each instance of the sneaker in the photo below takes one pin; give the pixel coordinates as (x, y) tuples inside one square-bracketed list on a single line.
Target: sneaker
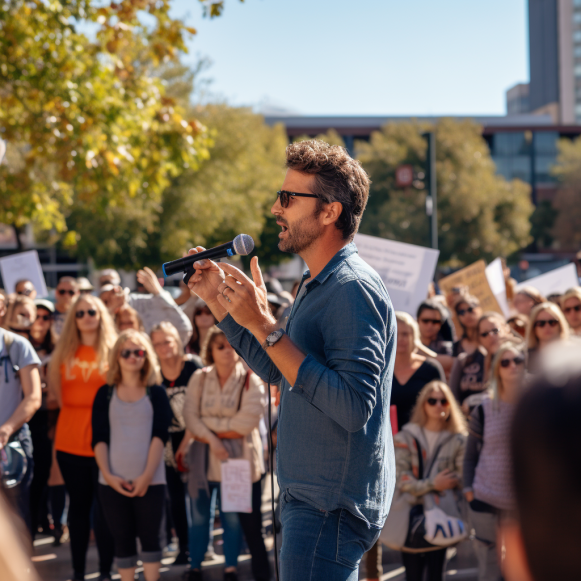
[(230, 576), (192, 575), (182, 558), (210, 554), (58, 533)]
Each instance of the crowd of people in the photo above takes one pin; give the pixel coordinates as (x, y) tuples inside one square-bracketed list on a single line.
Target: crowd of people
[(124, 406), (459, 373), (116, 411)]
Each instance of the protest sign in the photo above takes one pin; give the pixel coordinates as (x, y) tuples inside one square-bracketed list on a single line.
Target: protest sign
[(23, 265), (495, 276), (554, 281), (406, 270), (236, 487), (473, 277)]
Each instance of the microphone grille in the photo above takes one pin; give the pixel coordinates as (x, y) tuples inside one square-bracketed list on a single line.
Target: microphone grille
[(243, 244)]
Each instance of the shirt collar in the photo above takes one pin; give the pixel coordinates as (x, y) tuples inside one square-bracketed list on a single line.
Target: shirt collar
[(333, 264)]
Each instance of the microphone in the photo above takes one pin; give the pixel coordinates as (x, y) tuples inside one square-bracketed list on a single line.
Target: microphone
[(241, 245)]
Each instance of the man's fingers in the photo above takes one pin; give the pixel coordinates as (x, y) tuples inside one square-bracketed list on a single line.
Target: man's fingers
[(256, 273), (196, 250), (236, 273)]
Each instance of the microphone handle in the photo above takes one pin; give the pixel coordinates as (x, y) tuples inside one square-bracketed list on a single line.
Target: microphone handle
[(182, 264)]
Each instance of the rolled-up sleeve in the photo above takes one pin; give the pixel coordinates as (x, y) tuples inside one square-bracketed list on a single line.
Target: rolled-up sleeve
[(248, 347), (355, 344)]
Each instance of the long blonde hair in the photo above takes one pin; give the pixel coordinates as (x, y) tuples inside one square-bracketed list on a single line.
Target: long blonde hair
[(70, 341), (531, 337), (149, 374), (455, 422), (403, 318)]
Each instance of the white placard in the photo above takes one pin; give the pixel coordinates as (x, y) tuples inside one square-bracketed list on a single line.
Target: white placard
[(236, 487), (406, 270), (23, 265), (554, 281), (495, 277)]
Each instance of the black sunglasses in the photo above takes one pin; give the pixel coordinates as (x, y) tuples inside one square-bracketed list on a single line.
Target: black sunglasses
[(435, 400), (518, 360), (63, 291), (462, 312), (494, 331), (286, 196), (550, 322), (44, 317), (26, 292), (433, 321), (204, 311), (576, 308), (81, 314), (127, 353)]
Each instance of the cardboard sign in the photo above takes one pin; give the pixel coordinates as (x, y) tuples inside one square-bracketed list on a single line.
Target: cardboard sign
[(236, 486), (406, 270), (554, 281), (474, 277), (23, 265)]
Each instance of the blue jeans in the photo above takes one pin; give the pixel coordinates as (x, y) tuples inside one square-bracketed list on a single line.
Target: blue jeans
[(321, 545), (199, 533)]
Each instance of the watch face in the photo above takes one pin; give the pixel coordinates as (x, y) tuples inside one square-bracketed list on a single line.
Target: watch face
[(274, 336)]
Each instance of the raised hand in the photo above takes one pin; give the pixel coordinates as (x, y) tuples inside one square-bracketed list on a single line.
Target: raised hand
[(147, 278), (246, 300)]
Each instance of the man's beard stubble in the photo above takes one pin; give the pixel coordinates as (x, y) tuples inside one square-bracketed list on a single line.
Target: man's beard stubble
[(304, 232)]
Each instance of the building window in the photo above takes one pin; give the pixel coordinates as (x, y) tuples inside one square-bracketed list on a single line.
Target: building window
[(546, 143), (512, 143)]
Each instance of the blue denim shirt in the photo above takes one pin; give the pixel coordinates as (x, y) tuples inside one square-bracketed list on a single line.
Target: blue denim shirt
[(335, 447)]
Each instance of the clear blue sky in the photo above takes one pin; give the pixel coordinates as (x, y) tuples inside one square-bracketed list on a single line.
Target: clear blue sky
[(364, 57)]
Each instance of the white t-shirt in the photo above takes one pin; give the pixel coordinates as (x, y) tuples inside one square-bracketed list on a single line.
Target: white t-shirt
[(431, 438), (22, 354)]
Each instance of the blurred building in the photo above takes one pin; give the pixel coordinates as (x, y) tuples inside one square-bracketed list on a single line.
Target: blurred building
[(517, 99), (522, 146), (555, 59)]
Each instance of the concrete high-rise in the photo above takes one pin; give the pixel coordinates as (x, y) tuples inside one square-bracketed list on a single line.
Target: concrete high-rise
[(555, 59)]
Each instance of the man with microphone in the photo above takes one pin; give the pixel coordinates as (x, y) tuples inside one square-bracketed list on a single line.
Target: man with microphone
[(334, 363)]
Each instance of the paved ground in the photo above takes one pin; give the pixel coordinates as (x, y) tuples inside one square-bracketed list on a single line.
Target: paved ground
[(53, 563)]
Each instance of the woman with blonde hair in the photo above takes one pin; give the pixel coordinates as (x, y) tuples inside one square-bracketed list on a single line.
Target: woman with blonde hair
[(176, 372), (571, 307), (223, 408), (131, 416), (487, 464), (546, 325), (415, 366), (76, 371), (436, 437)]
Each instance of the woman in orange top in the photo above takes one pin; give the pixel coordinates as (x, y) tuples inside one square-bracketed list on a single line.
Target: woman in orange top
[(77, 370)]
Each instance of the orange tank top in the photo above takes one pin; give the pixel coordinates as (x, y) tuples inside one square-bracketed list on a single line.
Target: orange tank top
[(80, 381)]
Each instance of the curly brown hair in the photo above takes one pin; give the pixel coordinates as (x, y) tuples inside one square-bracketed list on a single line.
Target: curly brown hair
[(338, 178)]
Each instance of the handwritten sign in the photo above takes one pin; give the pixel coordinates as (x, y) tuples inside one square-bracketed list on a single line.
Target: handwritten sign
[(406, 269), (474, 277), (236, 487), (24, 265)]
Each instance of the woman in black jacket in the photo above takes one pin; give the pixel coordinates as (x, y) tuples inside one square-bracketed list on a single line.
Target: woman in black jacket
[(131, 416)]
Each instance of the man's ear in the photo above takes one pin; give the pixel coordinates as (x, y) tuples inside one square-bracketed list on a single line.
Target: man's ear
[(515, 566), (331, 212)]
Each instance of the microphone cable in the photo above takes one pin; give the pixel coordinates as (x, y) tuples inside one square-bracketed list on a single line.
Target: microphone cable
[(271, 458)]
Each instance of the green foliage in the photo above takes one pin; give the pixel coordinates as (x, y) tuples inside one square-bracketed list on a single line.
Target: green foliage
[(229, 193), (87, 123), (480, 214)]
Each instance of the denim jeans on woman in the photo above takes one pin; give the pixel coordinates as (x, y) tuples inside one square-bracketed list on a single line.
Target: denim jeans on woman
[(317, 544), (199, 533)]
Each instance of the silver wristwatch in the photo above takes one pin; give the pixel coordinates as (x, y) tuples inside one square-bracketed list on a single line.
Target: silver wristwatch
[(273, 338)]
